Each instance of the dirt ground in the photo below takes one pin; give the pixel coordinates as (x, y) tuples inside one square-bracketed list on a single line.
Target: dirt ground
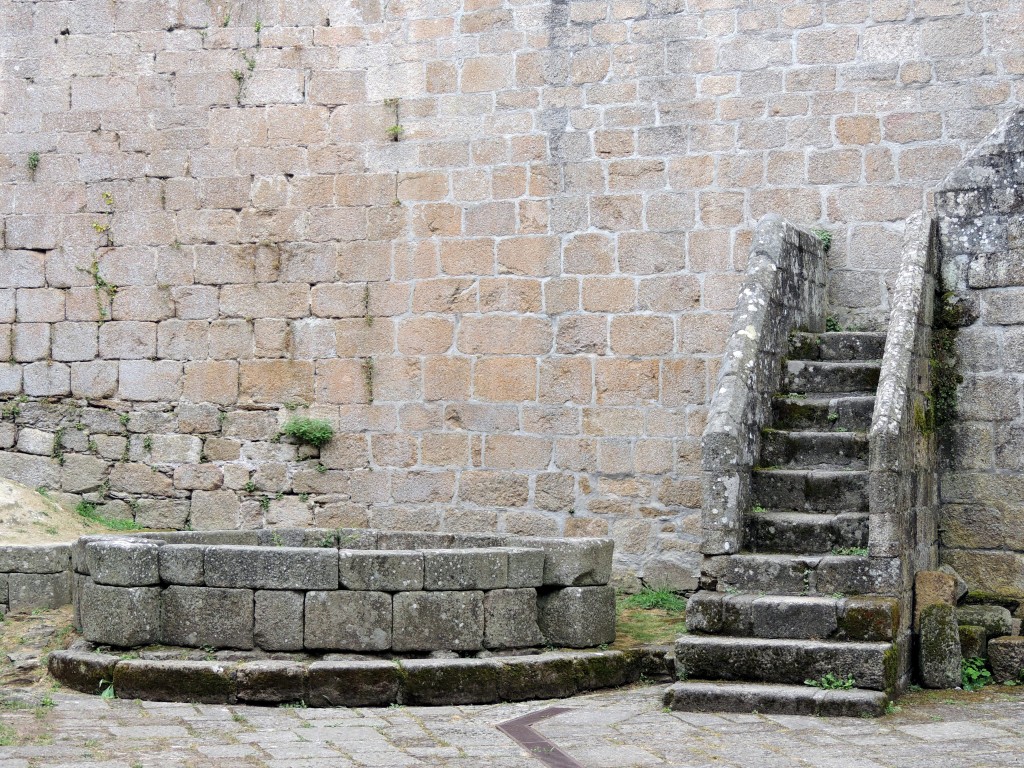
[(30, 517)]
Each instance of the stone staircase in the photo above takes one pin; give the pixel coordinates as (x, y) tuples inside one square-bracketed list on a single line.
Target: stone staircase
[(802, 599)]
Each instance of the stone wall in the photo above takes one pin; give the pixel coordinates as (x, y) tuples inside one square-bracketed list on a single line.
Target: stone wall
[(512, 308), (34, 577), (981, 208)]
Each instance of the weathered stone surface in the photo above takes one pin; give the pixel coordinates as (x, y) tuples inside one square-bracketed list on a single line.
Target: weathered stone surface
[(353, 683), (939, 657), (271, 568), (578, 617), (392, 571), (996, 620), (973, 642), (932, 588), (428, 621), (120, 616), (271, 681), (204, 682), (510, 619), (122, 563), (82, 671), (572, 563), (795, 617), (279, 620), (1006, 657), (546, 676), (959, 585), (182, 564), (348, 621), (451, 681), (525, 567), (41, 558), (459, 569), (28, 591), (200, 616)]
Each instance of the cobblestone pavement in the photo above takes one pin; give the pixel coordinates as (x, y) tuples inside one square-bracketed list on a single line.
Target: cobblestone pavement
[(612, 729)]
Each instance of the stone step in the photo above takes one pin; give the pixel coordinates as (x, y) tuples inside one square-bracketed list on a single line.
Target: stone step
[(806, 450), (868, 619), (843, 345), (810, 490), (773, 660), (808, 376), (850, 413), (804, 532), (782, 574), (771, 699)]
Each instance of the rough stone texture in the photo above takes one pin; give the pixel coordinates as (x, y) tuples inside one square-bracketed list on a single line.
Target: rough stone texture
[(939, 653), (80, 671), (932, 588), (278, 620), (43, 558), (994, 618), (979, 208), (353, 683), (350, 621), (182, 564), (1006, 657), (205, 682), (120, 616), (510, 619), (973, 642), (271, 681), (199, 616), (428, 621), (450, 681), (567, 562), (382, 571), (271, 568), (28, 591), (464, 569), (578, 617), (122, 563)]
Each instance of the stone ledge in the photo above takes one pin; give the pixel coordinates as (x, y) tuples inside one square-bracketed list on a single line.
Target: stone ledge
[(362, 683)]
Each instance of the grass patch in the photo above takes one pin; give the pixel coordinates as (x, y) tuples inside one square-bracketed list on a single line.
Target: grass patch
[(88, 511), (315, 432), (637, 625), (661, 599)]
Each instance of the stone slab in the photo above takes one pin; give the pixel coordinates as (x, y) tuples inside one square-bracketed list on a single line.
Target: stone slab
[(353, 683), (82, 671), (450, 681), (28, 591), (271, 568), (578, 617), (932, 588), (392, 571), (182, 564), (1006, 657), (525, 567), (278, 620), (123, 563), (204, 682), (996, 620), (120, 616), (510, 619), (271, 682), (40, 558), (430, 621), (348, 621), (569, 562), (207, 616), (939, 657), (464, 569)]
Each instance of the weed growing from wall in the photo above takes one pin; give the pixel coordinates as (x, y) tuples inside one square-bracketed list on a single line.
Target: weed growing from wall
[(315, 432)]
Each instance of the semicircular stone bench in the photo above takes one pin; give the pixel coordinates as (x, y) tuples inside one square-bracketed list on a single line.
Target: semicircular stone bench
[(348, 590)]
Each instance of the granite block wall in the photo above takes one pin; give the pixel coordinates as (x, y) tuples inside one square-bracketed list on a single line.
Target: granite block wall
[(496, 242)]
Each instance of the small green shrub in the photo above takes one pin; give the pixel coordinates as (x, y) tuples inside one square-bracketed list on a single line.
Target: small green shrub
[(656, 599), (315, 432), (973, 675), (826, 238), (832, 325), (88, 510), (832, 682)]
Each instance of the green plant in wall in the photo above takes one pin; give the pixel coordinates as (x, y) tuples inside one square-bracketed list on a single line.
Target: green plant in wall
[(832, 682), (826, 238), (315, 432), (396, 130), (368, 374), (102, 288), (33, 164), (366, 306)]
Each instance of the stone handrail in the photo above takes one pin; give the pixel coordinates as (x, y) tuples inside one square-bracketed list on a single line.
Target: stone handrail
[(784, 291), (901, 440)]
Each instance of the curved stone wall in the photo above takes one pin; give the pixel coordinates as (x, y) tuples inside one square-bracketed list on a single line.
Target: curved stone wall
[(343, 590)]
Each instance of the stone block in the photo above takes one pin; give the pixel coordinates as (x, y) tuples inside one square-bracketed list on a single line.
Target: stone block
[(268, 681), (201, 616), (348, 621), (392, 571), (28, 591), (182, 564), (932, 588), (3, 588), (546, 676), (80, 671), (40, 558), (794, 617), (510, 619), (939, 643), (120, 616), (353, 683), (162, 513), (458, 569), (973, 642), (123, 563), (996, 620), (525, 567), (279, 620), (430, 621), (577, 563), (272, 568), (578, 617), (451, 681), (203, 682), (1006, 657)]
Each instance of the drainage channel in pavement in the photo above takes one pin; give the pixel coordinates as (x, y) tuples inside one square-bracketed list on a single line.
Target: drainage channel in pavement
[(539, 746)]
